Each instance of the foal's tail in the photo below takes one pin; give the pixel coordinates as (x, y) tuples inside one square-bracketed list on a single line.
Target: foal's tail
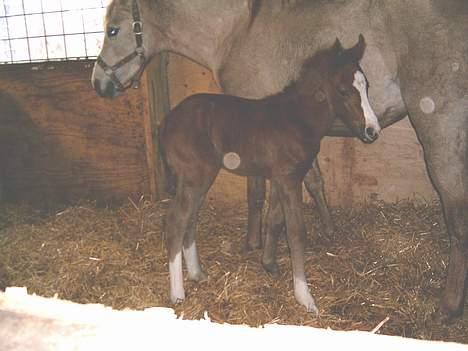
[(168, 177)]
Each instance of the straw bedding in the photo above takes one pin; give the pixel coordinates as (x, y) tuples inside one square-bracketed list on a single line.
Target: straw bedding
[(384, 260)]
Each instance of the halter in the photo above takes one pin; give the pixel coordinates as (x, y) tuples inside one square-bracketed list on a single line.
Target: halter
[(139, 52)]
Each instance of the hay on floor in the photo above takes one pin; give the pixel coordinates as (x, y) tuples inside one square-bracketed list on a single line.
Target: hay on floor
[(383, 261)]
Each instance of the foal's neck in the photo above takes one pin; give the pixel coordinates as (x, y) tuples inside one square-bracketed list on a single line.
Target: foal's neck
[(311, 106)]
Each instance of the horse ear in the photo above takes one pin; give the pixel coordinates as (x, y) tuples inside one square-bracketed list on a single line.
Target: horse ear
[(357, 51), (337, 47)]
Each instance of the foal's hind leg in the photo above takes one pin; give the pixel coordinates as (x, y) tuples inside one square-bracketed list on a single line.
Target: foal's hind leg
[(192, 260), (288, 191), (314, 185), (180, 222)]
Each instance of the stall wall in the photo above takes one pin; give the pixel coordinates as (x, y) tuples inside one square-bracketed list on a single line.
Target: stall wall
[(60, 142)]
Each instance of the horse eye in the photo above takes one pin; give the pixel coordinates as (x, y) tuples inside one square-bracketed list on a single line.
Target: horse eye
[(112, 31), (343, 90)]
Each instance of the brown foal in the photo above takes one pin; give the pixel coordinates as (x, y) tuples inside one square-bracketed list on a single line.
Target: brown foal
[(277, 137)]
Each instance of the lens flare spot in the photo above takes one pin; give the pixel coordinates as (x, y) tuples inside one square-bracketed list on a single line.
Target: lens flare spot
[(427, 105), (231, 160)]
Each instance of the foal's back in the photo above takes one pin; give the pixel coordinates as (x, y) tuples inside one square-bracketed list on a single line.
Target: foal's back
[(205, 127)]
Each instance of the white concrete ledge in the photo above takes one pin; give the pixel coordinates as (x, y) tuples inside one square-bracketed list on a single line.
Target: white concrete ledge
[(29, 322)]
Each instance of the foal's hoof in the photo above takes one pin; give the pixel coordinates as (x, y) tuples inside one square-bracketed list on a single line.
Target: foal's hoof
[(199, 277), (329, 229), (252, 246), (272, 268), (311, 308), (448, 315), (177, 299), (308, 302)]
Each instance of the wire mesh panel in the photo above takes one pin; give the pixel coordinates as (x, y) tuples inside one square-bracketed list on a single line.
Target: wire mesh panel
[(46, 30)]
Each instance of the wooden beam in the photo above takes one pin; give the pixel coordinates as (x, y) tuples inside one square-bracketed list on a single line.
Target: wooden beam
[(159, 104)]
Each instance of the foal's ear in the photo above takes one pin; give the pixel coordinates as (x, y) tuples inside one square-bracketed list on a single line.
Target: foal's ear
[(337, 47), (357, 51)]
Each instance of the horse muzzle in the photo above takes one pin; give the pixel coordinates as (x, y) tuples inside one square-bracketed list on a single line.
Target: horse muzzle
[(105, 88), (370, 135)]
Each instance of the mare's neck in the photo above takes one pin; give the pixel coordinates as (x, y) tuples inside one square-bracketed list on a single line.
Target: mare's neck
[(202, 30)]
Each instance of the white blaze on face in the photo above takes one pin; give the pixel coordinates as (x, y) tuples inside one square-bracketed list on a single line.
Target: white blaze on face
[(369, 114)]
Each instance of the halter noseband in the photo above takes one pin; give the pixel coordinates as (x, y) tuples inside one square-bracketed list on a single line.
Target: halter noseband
[(139, 52)]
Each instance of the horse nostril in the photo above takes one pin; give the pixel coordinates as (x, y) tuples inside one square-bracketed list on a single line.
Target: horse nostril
[(371, 134)]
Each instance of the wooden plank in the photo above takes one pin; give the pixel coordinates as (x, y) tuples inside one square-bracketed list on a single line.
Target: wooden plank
[(158, 93), (59, 141)]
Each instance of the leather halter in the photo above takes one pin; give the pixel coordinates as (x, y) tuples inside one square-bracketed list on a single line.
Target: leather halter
[(139, 52)]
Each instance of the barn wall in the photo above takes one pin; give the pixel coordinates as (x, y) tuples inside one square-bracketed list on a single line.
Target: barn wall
[(390, 170), (60, 142)]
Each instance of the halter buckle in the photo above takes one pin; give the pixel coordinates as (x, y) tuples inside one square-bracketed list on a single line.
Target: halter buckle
[(137, 27), (139, 50)]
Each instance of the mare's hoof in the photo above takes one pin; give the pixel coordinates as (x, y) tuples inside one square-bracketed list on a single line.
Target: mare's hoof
[(272, 268), (200, 277)]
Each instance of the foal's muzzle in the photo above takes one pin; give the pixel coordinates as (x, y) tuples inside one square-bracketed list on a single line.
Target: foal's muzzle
[(370, 135)]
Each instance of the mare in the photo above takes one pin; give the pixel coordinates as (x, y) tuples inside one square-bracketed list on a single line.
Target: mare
[(277, 137), (416, 62)]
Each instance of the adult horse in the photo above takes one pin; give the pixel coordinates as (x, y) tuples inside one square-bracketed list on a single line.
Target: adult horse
[(416, 63)]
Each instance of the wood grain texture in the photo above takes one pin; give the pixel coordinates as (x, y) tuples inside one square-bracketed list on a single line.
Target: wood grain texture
[(60, 142)]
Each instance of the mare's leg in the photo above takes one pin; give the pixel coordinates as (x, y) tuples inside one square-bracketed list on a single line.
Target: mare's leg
[(314, 185), (274, 226), (256, 189), (438, 110), (443, 136), (288, 193)]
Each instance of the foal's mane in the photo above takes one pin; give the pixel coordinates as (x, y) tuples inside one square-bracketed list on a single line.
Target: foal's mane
[(314, 69)]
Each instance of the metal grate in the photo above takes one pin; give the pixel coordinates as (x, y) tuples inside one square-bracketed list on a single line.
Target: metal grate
[(50, 30)]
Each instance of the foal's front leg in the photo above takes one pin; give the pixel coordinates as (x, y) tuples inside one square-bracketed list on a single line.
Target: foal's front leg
[(274, 226), (288, 191), (256, 189)]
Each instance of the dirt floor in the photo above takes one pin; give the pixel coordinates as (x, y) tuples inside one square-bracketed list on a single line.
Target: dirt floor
[(383, 261)]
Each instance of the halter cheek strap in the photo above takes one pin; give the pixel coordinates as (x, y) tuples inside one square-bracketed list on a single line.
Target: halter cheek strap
[(139, 52)]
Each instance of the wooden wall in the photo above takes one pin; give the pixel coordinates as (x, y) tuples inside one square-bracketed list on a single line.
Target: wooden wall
[(59, 141)]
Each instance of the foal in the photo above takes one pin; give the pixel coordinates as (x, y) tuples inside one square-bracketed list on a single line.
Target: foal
[(277, 137)]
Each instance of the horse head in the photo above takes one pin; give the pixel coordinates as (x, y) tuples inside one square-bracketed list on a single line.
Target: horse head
[(127, 47), (350, 91)]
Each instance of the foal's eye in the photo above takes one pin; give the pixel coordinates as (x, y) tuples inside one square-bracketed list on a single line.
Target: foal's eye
[(343, 90), (112, 31)]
